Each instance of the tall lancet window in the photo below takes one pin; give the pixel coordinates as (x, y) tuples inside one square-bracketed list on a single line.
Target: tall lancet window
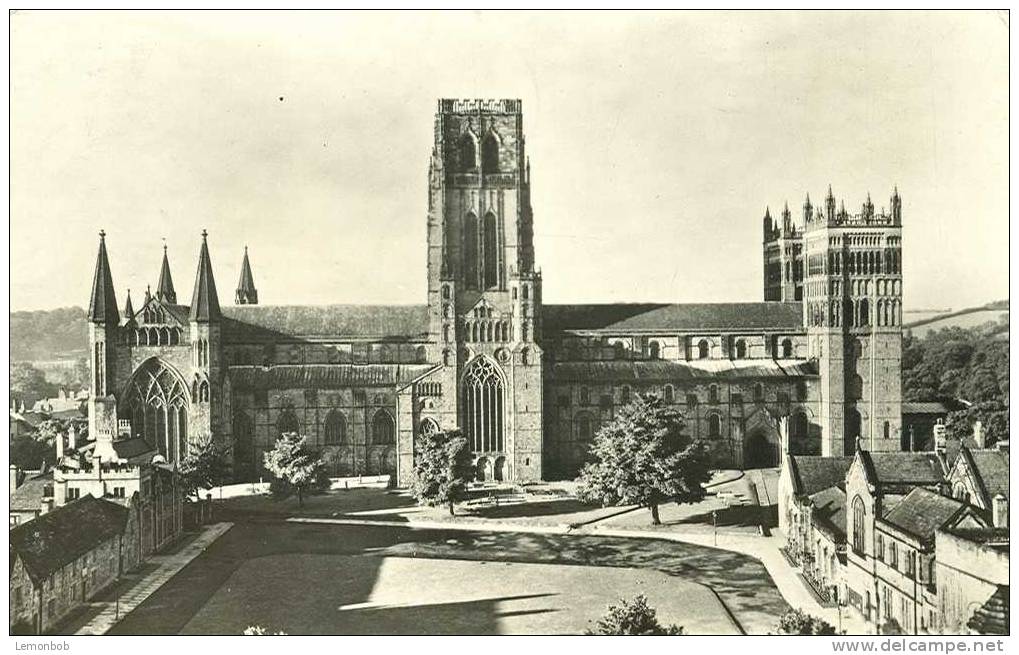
[(471, 250), (491, 251), (468, 151), (484, 406), (157, 403)]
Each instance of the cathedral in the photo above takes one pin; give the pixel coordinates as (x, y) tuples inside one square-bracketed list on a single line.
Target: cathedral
[(528, 383)]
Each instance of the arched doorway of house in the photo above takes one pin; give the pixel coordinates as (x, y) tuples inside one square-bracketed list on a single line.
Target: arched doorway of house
[(759, 452)]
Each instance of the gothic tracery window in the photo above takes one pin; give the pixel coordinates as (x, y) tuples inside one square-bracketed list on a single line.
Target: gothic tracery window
[(383, 428), (490, 154), (157, 402), (484, 406), (335, 427)]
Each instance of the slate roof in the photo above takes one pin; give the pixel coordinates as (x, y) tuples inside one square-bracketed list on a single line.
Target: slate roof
[(991, 618), (29, 494), (687, 317), (922, 512), (326, 376), (830, 511), (623, 370), (813, 473), (991, 468), (263, 323), (128, 449), (57, 538), (916, 468)]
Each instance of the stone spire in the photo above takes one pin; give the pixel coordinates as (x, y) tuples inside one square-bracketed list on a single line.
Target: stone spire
[(247, 294), (164, 290), (103, 306), (128, 307), (204, 301)]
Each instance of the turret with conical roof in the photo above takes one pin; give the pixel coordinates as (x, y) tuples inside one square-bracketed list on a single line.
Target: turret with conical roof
[(204, 301), (164, 290), (246, 294), (102, 307)]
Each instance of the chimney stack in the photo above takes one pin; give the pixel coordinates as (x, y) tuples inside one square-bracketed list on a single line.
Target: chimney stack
[(979, 436), (72, 435), (1000, 511), (60, 446), (15, 475), (783, 431)]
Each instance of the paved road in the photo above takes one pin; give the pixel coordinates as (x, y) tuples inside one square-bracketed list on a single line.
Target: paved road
[(739, 581)]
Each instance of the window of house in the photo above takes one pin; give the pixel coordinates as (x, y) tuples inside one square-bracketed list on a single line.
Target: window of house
[(879, 548), (585, 396), (702, 349), (584, 427), (893, 555), (741, 349), (859, 516), (787, 348), (654, 350), (713, 394), (670, 394), (73, 493), (736, 399)]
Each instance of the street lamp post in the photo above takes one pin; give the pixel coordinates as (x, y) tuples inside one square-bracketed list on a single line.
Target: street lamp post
[(714, 527)]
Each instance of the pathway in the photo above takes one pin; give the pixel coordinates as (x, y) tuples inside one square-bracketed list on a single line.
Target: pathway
[(166, 566)]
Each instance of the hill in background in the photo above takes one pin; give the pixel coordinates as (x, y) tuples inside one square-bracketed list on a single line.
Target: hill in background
[(48, 335)]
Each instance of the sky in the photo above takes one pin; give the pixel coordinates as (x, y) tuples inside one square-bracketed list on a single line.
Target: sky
[(656, 142)]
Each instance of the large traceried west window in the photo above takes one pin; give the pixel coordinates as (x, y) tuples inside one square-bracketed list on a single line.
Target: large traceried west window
[(157, 403), (484, 406)]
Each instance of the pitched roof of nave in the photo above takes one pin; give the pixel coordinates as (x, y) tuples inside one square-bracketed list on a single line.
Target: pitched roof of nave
[(685, 317), (621, 371), (326, 376), (246, 323)]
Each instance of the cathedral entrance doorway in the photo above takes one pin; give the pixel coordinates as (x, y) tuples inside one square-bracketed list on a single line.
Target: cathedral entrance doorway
[(759, 452), (500, 469), (483, 470)]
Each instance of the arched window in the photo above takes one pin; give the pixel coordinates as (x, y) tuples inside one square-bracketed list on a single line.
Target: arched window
[(428, 426), (787, 348), (670, 394), (702, 349), (490, 154), (447, 333), (471, 250), (491, 251), (886, 430), (484, 405), (525, 357), (654, 350), (713, 394), (287, 421), (624, 395), (585, 396), (741, 349), (714, 425), (446, 357), (445, 292), (859, 517), (157, 403), (383, 428), (864, 312), (468, 151), (584, 426), (335, 427)]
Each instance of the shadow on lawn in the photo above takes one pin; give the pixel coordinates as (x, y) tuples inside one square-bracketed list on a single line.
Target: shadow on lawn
[(538, 508)]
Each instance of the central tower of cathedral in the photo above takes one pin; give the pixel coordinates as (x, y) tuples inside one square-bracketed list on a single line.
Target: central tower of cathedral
[(484, 295)]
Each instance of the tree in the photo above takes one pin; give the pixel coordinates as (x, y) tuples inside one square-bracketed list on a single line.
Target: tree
[(798, 622), (633, 617), (295, 467), (27, 453), (48, 431), (443, 470), (29, 384), (204, 466), (642, 457)]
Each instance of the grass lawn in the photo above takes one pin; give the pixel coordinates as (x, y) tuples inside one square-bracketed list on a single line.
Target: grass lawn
[(398, 595)]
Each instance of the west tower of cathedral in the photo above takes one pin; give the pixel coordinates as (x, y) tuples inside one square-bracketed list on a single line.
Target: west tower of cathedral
[(528, 383)]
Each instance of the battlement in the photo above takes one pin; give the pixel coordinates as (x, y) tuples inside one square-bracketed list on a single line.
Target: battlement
[(479, 106)]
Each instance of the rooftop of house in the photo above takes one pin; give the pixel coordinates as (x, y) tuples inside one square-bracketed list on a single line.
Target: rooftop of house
[(830, 511), (903, 468), (51, 541), (31, 491), (813, 473), (991, 618), (922, 512), (991, 468)]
